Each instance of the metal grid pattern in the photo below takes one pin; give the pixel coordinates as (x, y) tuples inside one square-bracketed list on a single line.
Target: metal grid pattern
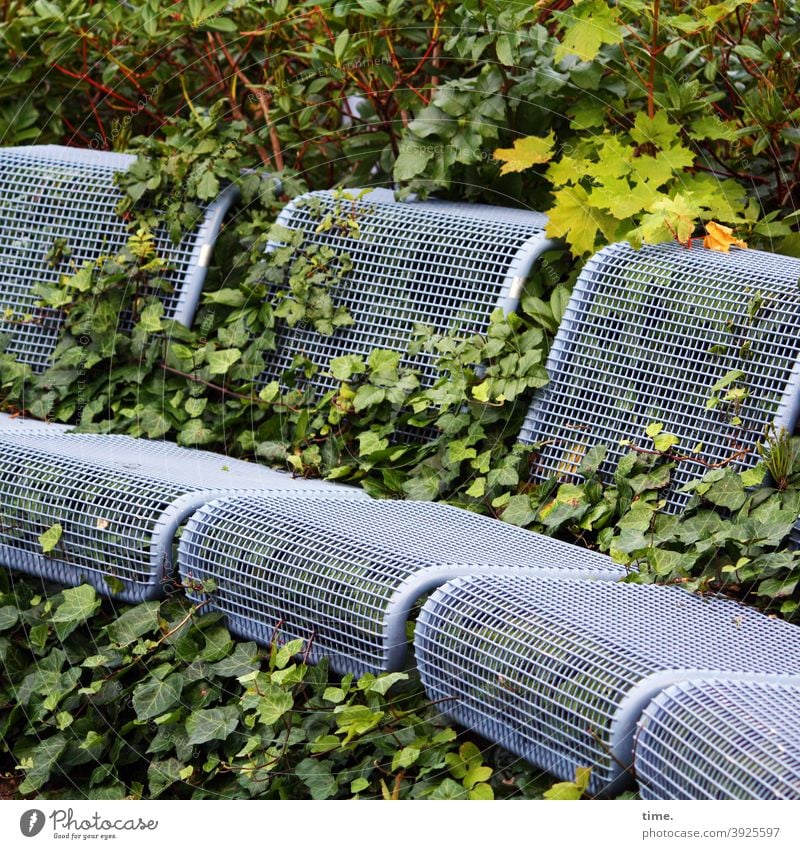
[(647, 334), (343, 577), (417, 262), (558, 672), (720, 740), (50, 193), (119, 502)]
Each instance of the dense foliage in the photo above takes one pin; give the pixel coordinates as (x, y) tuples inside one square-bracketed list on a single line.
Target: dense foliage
[(157, 699), (623, 120)]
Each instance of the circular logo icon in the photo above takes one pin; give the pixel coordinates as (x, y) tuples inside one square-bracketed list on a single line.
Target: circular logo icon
[(31, 822)]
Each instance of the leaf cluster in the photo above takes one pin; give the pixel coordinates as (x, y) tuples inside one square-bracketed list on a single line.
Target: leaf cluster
[(157, 700)]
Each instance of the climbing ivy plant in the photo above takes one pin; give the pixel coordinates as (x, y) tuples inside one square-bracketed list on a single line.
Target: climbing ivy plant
[(159, 700)]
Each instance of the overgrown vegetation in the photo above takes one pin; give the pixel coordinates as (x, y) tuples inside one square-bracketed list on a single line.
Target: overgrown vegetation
[(622, 120), (157, 700)]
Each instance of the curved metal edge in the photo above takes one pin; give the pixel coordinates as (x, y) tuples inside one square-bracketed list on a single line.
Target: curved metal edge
[(286, 213), (162, 539), (787, 417), (409, 592), (628, 715), (561, 349), (520, 269), (182, 511), (722, 678), (192, 287), (630, 710)]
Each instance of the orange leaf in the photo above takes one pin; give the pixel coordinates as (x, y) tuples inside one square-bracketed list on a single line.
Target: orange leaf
[(720, 238)]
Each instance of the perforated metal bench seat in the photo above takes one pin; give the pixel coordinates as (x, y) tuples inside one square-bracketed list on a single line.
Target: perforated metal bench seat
[(119, 502), (343, 577), (720, 739), (559, 672), (445, 265), (57, 211), (646, 336)]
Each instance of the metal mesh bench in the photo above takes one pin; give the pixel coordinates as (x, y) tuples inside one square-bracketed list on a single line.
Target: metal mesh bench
[(720, 739), (558, 672), (343, 577), (57, 211), (119, 502), (646, 336), (445, 265)]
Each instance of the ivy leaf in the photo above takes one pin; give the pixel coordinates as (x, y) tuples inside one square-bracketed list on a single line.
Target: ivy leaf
[(220, 361), (518, 512), (369, 442), (150, 318), (151, 698), (274, 704), (242, 661), (570, 790), (163, 774), (43, 758), (135, 621), (449, 789), (527, 152), (9, 616), (480, 392), (154, 423), (384, 682), (368, 396), (663, 442), (316, 775), (79, 604), (728, 492), (212, 724), (343, 368), (208, 186), (50, 538)]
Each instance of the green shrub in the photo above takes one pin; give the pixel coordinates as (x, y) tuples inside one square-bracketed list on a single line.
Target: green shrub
[(158, 700)]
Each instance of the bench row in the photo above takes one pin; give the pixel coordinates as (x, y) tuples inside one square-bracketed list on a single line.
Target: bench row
[(646, 336)]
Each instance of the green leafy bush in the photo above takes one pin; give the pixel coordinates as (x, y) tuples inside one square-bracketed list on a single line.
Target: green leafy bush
[(158, 700)]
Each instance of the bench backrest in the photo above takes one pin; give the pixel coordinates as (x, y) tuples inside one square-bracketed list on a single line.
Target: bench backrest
[(441, 264), (58, 211), (704, 342)]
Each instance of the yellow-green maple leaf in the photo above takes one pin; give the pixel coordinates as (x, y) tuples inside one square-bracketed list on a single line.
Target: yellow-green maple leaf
[(527, 152), (654, 170), (574, 218), (656, 130), (622, 199), (613, 160), (568, 169), (671, 218), (588, 25)]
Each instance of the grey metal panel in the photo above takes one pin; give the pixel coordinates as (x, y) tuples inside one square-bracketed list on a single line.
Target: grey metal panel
[(647, 334), (119, 502), (48, 192), (445, 265), (559, 672), (720, 739), (344, 576)]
